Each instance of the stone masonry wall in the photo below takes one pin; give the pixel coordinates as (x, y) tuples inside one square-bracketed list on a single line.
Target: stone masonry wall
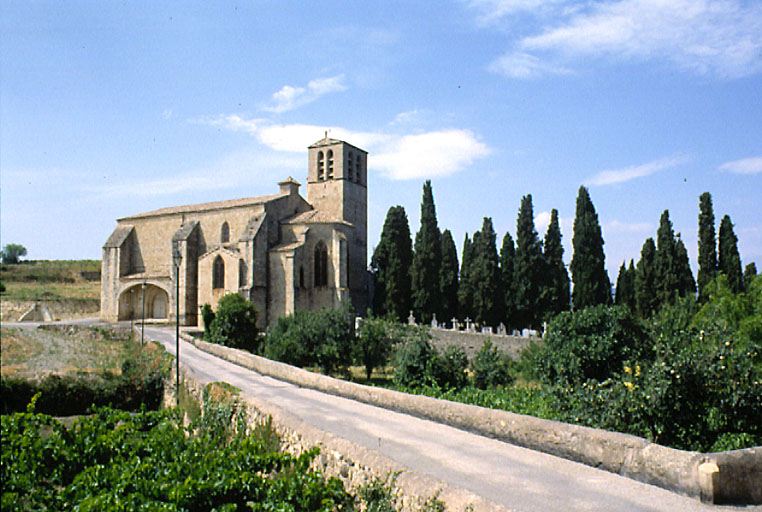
[(353, 464)]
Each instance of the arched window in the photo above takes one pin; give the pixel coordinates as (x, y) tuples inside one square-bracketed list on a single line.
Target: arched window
[(329, 174), (350, 166), (357, 169), (320, 166), (321, 265), (225, 233), (218, 273), (241, 273)]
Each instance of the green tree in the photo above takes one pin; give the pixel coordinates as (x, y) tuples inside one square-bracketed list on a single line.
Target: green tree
[(730, 260), (593, 343), (625, 287), (645, 280), (686, 283), (12, 252), (528, 268), (390, 266), (507, 255), (707, 244), (376, 337), (235, 323), (485, 275), (749, 273), (667, 279), (427, 258), (555, 291), (591, 283), (465, 286), (491, 368), (449, 277)]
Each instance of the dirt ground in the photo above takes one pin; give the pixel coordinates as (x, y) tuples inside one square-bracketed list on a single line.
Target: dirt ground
[(33, 353)]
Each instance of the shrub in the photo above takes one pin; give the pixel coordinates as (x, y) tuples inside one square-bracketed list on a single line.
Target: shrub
[(491, 368), (376, 337), (593, 343), (418, 364), (235, 324), (207, 315), (322, 338)]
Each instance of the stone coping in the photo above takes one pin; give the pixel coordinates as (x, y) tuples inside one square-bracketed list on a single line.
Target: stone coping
[(352, 463), (724, 477)]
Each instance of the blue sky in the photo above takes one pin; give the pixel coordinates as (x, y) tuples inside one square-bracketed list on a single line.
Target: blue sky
[(114, 108)]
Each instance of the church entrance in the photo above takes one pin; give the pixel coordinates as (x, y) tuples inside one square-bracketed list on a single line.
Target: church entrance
[(131, 303)]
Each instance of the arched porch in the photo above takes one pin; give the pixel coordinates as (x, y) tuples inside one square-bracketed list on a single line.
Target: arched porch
[(131, 302)]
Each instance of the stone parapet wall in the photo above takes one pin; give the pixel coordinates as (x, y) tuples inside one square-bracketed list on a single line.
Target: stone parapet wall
[(353, 464), (717, 477)]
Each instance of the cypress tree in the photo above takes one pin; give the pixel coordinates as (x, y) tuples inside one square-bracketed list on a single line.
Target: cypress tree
[(686, 283), (449, 277), (390, 266), (707, 244), (625, 287), (591, 282), (645, 277), (749, 273), (555, 292), (465, 289), (485, 276), (528, 268), (631, 274), (730, 260), (667, 279), (427, 259), (507, 254), (622, 293)]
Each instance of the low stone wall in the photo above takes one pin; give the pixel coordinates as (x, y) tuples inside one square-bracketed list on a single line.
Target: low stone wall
[(63, 309), (353, 464), (726, 477), (471, 342)]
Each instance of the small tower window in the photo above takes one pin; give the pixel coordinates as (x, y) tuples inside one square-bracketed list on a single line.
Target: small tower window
[(218, 273), (225, 233), (329, 173), (350, 166), (320, 166), (357, 169), (321, 265)]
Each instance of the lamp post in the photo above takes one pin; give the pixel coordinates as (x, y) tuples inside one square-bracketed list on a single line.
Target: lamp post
[(143, 320), (177, 258)]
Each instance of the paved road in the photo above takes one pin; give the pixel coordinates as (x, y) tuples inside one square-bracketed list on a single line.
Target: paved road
[(518, 478)]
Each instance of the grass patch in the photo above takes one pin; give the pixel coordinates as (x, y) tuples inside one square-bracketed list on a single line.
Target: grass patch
[(52, 280)]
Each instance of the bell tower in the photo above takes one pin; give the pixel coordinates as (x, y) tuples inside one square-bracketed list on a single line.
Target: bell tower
[(337, 181), (337, 187)]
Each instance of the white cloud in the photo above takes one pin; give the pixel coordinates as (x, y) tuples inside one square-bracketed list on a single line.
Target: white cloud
[(613, 176), (744, 166), (290, 97), (719, 37), (428, 154), (524, 65)]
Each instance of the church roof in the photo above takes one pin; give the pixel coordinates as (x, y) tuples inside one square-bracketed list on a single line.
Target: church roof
[(118, 237), (316, 217), (202, 207)]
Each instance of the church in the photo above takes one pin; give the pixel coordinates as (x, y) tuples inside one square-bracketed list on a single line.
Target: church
[(283, 252)]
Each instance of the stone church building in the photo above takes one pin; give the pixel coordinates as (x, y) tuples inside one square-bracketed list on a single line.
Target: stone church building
[(283, 251)]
